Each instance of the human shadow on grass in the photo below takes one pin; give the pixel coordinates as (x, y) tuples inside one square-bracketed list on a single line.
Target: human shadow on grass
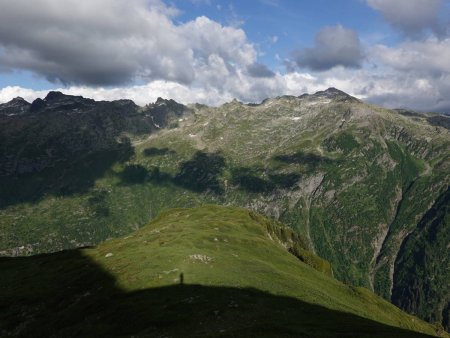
[(67, 294)]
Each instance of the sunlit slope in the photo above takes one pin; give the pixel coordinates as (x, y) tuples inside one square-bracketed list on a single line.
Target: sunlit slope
[(207, 271)]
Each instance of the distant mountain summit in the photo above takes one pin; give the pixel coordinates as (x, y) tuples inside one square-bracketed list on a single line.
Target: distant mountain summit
[(55, 96), (332, 94), (63, 127), (16, 106), (57, 101)]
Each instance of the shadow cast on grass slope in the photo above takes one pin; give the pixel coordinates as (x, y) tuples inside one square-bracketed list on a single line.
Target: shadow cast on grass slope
[(309, 160), (259, 180), (152, 151), (63, 179), (204, 171), (67, 294), (199, 174)]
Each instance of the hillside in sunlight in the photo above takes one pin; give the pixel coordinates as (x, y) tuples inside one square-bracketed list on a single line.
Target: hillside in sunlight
[(205, 272)]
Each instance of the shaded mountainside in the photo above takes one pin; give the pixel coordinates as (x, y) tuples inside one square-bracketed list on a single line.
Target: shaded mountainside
[(210, 271), (64, 128), (355, 181), (419, 264)]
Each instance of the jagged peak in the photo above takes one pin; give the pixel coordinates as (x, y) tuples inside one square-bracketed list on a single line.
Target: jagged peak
[(16, 106), (124, 102), (233, 102), (37, 104), (56, 100), (57, 95), (54, 95), (335, 90), (160, 101), (331, 92), (19, 99)]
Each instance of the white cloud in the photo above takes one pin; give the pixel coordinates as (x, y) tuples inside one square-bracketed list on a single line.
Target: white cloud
[(413, 74), (206, 37), (430, 57), (412, 17), (142, 94), (240, 86), (259, 70), (113, 42), (393, 88), (202, 60), (334, 46)]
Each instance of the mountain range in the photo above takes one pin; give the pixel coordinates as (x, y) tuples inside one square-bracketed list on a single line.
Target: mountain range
[(363, 187)]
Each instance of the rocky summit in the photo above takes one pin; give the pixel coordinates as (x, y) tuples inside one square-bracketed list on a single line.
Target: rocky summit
[(16, 106), (363, 187)]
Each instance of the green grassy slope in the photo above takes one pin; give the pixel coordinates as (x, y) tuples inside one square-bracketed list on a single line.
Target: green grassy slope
[(207, 271)]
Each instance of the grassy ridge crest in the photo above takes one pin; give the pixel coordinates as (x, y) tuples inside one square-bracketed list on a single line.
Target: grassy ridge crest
[(207, 271)]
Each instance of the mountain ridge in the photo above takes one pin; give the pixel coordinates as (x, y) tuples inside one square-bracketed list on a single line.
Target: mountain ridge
[(21, 104), (353, 179)]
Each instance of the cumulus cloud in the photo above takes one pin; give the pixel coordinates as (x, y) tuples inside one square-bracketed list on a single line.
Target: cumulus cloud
[(429, 57), (334, 46), (242, 87), (412, 17), (400, 90), (117, 43), (113, 42), (96, 47), (259, 70), (394, 88), (419, 72)]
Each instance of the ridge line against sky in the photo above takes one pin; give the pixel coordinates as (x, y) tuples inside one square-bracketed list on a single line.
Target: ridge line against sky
[(394, 53)]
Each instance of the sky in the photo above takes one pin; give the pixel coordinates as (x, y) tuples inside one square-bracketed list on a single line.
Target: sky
[(394, 53)]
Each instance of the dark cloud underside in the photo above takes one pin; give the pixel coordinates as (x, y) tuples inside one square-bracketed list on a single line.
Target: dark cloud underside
[(334, 46), (259, 70)]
